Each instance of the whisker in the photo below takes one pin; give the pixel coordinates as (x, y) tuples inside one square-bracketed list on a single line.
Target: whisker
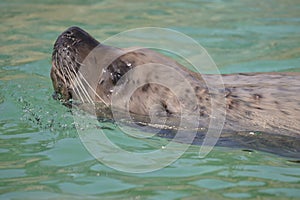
[(92, 89), (71, 79), (77, 81), (59, 71), (84, 79), (80, 84), (77, 62), (73, 85)]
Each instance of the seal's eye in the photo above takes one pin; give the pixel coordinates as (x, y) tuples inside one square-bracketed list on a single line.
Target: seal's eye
[(116, 77), (117, 69)]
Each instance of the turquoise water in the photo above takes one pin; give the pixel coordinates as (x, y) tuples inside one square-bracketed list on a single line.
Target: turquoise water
[(41, 154)]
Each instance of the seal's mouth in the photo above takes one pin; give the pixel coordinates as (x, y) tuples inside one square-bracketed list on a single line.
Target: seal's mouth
[(69, 51)]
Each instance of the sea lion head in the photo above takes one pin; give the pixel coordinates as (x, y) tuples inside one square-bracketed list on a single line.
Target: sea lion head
[(70, 49)]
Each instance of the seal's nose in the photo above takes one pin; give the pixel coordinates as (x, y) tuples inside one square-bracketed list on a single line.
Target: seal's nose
[(74, 41), (75, 32), (69, 38), (75, 35)]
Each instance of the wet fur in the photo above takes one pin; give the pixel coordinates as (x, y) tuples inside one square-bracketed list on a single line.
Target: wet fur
[(266, 102)]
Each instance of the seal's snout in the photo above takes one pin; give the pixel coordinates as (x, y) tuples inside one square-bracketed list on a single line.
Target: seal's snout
[(68, 43), (71, 36), (74, 43), (69, 51)]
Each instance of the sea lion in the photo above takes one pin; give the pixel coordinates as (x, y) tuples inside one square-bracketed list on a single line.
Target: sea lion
[(265, 102)]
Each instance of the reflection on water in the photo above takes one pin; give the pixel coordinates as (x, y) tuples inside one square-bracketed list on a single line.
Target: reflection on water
[(41, 154)]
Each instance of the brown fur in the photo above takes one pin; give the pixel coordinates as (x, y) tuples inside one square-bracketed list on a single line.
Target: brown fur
[(267, 102)]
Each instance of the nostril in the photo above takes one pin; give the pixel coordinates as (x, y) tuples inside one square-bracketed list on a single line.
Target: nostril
[(68, 33)]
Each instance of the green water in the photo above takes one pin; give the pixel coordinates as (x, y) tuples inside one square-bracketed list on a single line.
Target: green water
[(41, 154)]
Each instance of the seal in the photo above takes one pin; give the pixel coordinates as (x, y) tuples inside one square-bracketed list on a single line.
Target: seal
[(265, 102)]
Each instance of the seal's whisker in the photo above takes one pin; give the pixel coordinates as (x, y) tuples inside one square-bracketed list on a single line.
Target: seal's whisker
[(60, 75), (79, 63), (74, 83), (72, 78), (82, 78), (87, 83), (84, 90), (92, 89), (82, 87)]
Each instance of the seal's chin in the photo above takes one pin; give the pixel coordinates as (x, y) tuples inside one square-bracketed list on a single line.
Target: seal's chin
[(70, 49)]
